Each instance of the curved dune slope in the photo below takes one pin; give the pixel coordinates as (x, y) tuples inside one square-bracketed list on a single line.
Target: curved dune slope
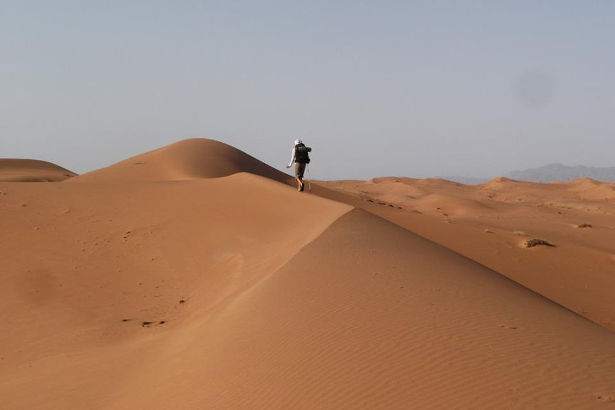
[(100, 280), (490, 223), (371, 316), (187, 159), (31, 170)]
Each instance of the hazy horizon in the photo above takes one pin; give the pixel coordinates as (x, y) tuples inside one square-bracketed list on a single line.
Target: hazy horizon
[(395, 88)]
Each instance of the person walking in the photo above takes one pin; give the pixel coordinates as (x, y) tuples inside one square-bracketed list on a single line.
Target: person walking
[(300, 156)]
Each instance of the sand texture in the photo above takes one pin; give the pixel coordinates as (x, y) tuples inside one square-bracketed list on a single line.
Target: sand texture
[(196, 277)]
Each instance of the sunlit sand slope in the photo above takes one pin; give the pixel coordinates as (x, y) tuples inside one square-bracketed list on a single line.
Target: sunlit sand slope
[(99, 280)]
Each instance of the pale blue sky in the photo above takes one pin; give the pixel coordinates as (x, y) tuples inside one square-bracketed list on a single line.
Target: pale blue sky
[(411, 88)]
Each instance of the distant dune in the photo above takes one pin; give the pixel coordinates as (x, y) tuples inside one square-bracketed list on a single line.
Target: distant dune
[(32, 170), (187, 159), (194, 276)]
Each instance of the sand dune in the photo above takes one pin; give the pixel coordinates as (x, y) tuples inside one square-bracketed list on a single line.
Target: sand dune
[(388, 321), (590, 189), (32, 170), (168, 282), (489, 223), (187, 159), (86, 265)]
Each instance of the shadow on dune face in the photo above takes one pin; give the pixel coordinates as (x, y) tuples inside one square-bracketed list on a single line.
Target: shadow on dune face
[(32, 170)]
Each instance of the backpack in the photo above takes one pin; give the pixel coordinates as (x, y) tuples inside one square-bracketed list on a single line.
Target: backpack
[(301, 154)]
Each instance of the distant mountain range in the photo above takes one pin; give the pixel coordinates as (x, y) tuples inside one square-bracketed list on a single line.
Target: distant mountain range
[(548, 173), (559, 172)]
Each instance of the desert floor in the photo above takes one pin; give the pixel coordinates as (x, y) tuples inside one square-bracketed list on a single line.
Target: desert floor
[(195, 276)]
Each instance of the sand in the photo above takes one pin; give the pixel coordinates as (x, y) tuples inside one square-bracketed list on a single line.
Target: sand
[(492, 223), (168, 282), (31, 170)]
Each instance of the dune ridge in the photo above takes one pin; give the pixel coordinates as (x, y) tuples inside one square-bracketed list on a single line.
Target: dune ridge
[(377, 323), (32, 170), (99, 278)]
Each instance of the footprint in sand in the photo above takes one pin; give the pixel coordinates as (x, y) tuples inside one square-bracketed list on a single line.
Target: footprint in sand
[(150, 324), (147, 323)]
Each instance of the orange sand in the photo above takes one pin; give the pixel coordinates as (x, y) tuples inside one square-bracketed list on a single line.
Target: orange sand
[(489, 223), (190, 277)]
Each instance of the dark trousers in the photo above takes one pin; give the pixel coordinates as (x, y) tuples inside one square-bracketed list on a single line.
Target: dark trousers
[(299, 169)]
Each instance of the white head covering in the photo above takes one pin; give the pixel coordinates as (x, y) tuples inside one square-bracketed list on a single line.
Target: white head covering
[(298, 141)]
